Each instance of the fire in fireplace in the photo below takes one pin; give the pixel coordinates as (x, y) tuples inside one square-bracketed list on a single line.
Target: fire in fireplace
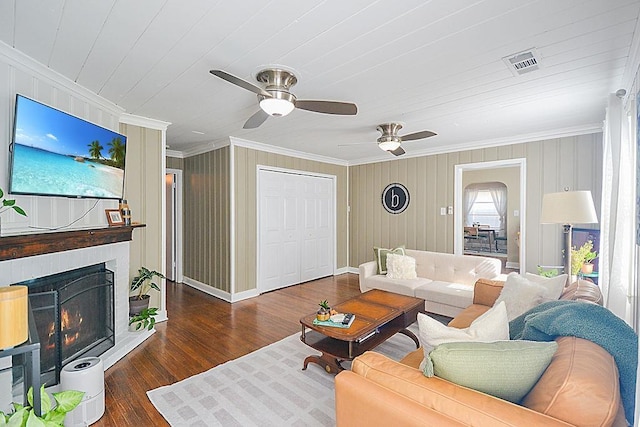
[(74, 316)]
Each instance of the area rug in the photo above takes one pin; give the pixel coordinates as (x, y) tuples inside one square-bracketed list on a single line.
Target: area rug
[(265, 388)]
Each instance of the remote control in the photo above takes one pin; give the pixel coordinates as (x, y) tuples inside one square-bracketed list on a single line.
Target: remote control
[(347, 318)]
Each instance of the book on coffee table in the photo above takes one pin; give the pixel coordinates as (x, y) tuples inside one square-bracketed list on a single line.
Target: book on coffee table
[(337, 320)]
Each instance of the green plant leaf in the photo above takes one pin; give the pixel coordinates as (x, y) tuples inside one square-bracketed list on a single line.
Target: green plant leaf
[(67, 400), (55, 418), (8, 202), (45, 400), (34, 420), (20, 210), (1, 193), (18, 418)]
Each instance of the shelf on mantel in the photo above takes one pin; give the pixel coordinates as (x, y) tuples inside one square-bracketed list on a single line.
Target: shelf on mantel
[(26, 245)]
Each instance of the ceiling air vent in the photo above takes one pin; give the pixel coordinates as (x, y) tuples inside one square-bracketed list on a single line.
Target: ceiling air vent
[(523, 62)]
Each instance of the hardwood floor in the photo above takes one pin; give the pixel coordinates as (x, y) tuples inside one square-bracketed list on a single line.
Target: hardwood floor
[(203, 332)]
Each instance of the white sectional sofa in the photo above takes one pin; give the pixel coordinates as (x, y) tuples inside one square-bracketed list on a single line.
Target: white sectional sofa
[(445, 281)]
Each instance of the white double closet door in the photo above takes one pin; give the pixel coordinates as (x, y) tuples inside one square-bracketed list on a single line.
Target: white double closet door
[(295, 228)]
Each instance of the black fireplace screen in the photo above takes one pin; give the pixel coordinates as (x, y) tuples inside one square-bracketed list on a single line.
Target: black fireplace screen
[(74, 316)]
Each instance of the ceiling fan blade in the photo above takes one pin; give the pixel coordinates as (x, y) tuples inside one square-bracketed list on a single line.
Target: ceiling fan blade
[(418, 135), (239, 82), (328, 107), (256, 120), (398, 151)]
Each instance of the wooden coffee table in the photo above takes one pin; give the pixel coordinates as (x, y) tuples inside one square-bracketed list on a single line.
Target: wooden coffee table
[(379, 316)]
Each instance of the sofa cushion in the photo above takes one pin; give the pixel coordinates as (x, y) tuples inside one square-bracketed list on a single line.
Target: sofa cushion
[(401, 267), (491, 326), (580, 386), (505, 369), (553, 285), (520, 295), (381, 257), (398, 286), (453, 294)]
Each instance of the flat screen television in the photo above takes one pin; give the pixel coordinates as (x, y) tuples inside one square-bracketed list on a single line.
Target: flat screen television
[(56, 154)]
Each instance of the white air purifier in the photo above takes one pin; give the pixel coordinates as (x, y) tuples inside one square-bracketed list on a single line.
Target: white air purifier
[(86, 374)]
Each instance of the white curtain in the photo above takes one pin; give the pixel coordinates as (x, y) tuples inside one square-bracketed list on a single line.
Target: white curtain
[(470, 196), (499, 197), (617, 222)]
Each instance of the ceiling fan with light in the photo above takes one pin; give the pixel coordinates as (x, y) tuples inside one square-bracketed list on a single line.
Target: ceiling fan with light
[(390, 140), (276, 100)]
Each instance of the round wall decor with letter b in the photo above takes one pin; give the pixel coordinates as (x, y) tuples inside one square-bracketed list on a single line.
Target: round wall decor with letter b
[(395, 198)]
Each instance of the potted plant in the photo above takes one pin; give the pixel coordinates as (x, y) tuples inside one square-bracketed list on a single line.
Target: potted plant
[(23, 416), (324, 312), (587, 267), (582, 255), (143, 320), (142, 284)]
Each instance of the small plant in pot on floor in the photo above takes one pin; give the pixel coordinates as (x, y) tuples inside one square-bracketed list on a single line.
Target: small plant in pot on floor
[(142, 284)]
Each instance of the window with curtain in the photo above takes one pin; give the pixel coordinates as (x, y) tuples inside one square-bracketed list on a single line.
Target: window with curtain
[(486, 204)]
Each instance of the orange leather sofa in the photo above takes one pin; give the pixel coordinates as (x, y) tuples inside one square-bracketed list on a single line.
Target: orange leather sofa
[(579, 388)]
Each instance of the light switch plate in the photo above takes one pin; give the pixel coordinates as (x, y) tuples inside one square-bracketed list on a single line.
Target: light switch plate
[(443, 211)]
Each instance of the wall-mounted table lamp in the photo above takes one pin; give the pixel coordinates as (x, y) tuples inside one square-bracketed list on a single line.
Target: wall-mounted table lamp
[(568, 208)]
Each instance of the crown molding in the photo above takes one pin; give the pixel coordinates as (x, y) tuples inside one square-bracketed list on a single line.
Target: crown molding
[(174, 153), (488, 143), (30, 66), (145, 122), (238, 142)]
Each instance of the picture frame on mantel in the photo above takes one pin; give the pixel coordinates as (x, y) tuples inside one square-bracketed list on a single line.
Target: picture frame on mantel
[(114, 217)]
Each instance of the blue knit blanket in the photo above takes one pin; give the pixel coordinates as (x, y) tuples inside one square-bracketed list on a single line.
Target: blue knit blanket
[(591, 322)]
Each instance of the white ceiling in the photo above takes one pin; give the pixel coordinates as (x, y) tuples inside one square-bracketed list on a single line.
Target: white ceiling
[(432, 65)]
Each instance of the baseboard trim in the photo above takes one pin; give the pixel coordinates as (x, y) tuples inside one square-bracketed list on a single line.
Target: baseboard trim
[(218, 293), (343, 270), (354, 270)]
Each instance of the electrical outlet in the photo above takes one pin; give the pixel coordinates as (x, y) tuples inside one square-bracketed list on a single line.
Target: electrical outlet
[(443, 211), (516, 213), (450, 210)]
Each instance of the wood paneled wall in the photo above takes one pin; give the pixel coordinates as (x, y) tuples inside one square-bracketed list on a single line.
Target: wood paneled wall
[(552, 165), (143, 190), (207, 210), (246, 162)]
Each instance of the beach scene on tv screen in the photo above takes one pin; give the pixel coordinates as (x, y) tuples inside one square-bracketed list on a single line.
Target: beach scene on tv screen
[(57, 154)]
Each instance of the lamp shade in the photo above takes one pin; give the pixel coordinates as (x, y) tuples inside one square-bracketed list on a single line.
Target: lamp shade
[(568, 207)]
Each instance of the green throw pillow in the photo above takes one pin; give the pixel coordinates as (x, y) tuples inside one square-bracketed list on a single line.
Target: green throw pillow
[(505, 369), (381, 257)]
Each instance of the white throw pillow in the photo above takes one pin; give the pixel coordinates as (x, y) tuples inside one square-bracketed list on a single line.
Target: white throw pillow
[(491, 326), (520, 295), (401, 267), (554, 285)]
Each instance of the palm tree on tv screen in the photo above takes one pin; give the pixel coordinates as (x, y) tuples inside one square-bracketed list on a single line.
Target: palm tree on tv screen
[(95, 149), (117, 152)]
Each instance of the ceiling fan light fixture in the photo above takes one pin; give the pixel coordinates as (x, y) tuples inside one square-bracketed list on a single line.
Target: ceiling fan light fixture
[(389, 145), (276, 107)]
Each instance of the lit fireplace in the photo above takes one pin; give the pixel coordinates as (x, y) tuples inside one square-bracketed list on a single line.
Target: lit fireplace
[(74, 316)]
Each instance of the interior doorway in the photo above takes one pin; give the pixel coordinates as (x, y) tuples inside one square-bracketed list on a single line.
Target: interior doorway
[(513, 172), (173, 189)]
